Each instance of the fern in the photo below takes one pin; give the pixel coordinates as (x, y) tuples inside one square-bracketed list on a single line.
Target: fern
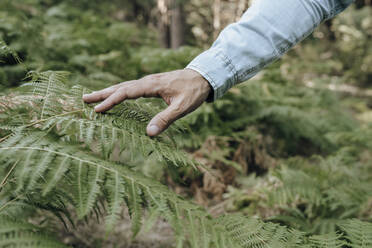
[(61, 108), (19, 234), (328, 240), (358, 233), (93, 175), (59, 155), (249, 232), (6, 51), (318, 196)]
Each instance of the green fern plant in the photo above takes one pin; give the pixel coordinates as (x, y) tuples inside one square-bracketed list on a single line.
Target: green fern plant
[(63, 147), (21, 234), (317, 196), (6, 51), (61, 109), (57, 153)]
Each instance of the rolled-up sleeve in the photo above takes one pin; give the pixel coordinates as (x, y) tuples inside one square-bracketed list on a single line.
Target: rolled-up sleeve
[(265, 32)]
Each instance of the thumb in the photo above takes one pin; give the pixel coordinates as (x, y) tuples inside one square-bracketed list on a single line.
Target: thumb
[(163, 119)]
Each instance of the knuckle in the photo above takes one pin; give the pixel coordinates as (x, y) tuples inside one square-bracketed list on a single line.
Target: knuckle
[(168, 117), (177, 110), (111, 103), (147, 78), (129, 90), (96, 93), (117, 100), (123, 89), (163, 120), (100, 96), (122, 92), (152, 78)]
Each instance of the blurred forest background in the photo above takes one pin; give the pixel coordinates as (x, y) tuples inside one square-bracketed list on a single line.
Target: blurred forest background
[(291, 146)]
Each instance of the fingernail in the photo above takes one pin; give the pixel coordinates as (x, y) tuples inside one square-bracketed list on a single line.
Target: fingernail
[(97, 107), (153, 130), (88, 94)]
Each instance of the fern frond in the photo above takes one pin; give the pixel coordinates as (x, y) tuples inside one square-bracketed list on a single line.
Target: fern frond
[(40, 170), (134, 206), (61, 109), (19, 234), (118, 184), (62, 149), (358, 233), (49, 91), (5, 50), (115, 198), (102, 135), (95, 177), (296, 187), (249, 232), (331, 240), (317, 197)]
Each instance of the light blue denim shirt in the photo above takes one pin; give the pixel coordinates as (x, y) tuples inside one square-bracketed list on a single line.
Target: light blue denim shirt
[(265, 32)]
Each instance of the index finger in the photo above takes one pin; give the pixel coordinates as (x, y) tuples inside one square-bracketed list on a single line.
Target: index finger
[(101, 95), (133, 90)]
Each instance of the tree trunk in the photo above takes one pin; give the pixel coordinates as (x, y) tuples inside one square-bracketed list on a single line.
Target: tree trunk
[(331, 34), (177, 26), (216, 17), (361, 3), (163, 23)]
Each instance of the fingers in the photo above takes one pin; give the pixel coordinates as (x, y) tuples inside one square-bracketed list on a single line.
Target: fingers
[(182, 90), (129, 91), (165, 118), (99, 95)]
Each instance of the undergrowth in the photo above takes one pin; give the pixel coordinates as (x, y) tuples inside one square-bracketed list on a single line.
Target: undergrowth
[(289, 164), (56, 156)]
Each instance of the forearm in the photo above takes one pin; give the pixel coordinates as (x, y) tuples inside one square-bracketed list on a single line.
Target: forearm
[(265, 32)]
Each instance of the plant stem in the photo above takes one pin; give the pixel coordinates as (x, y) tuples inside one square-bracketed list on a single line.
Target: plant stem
[(9, 202), (2, 184), (47, 119), (43, 120), (5, 137)]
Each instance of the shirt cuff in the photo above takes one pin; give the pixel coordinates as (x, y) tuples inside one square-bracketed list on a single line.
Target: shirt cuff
[(217, 69)]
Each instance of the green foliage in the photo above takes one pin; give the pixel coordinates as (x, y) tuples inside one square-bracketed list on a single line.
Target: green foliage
[(354, 31), (315, 197), (20, 234), (292, 123), (294, 116), (344, 59), (56, 157), (51, 163), (61, 163), (249, 232), (95, 48), (76, 122), (320, 178), (359, 234), (150, 60), (9, 73)]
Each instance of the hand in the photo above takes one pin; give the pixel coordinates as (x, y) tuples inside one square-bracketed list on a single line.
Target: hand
[(183, 91)]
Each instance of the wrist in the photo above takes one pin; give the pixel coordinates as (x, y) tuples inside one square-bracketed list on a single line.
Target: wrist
[(205, 87)]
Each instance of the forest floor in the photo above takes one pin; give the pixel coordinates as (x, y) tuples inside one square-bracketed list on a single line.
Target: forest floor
[(93, 234)]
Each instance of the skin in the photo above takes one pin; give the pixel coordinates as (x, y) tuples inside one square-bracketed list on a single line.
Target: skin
[(183, 91)]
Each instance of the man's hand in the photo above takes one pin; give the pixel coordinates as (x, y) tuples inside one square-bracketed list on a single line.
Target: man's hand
[(183, 91)]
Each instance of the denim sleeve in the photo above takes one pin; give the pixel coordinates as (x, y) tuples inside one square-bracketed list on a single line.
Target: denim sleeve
[(265, 32)]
